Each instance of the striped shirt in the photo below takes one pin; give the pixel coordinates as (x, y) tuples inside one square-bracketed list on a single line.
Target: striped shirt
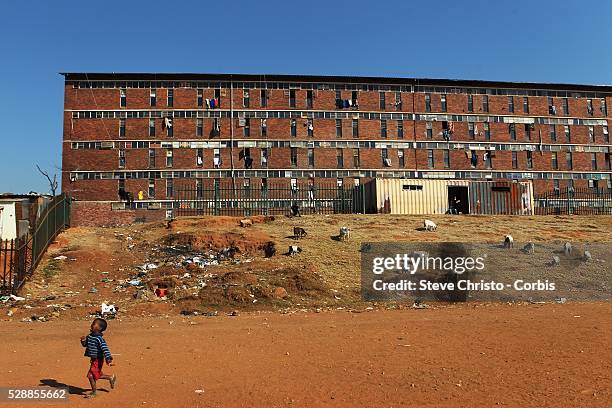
[(95, 347)]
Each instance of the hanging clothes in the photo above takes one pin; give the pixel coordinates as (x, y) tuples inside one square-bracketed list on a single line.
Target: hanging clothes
[(474, 160)]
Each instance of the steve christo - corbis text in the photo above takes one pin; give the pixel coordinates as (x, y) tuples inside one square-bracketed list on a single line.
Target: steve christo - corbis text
[(412, 263)]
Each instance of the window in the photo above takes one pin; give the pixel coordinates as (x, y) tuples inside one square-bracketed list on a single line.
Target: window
[(311, 158), (566, 132), (151, 188), (590, 106), (264, 185), (121, 184), (382, 100), (606, 134), (603, 107), (525, 104), (552, 132), (384, 154), (529, 159), (470, 103), (153, 97), (122, 98), (488, 159), (427, 102), (338, 127), (593, 161), (151, 127), (355, 126), (200, 98), (121, 127), (552, 109), (218, 97), (400, 158), (292, 98), (568, 161), (264, 157), (570, 184), (512, 131), (264, 127), (565, 106), (383, 128), (554, 161), (607, 159), (309, 97), (400, 129), (594, 184), (556, 185), (354, 96), (294, 156), (293, 128), (339, 159), (200, 157), (246, 184), (199, 188), (471, 132), (398, 101), (199, 127), (246, 98), (485, 103), (429, 130), (216, 130), (430, 159), (151, 158), (169, 158), (528, 128), (356, 160), (446, 156), (511, 104), (264, 98), (170, 97), (487, 130), (121, 158), (515, 160), (246, 129), (167, 122), (216, 158), (443, 103), (310, 127), (591, 134), (169, 188), (246, 155)]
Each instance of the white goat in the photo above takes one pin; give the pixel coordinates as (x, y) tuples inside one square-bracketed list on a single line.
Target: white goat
[(429, 225)]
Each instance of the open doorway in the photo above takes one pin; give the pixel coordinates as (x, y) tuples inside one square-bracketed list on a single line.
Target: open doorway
[(458, 202)]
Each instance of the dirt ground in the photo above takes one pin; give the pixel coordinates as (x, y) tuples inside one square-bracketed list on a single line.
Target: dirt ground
[(464, 355), (302, 335)]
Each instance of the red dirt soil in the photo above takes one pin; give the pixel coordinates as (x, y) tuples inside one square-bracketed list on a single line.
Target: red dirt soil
[(463, 355)]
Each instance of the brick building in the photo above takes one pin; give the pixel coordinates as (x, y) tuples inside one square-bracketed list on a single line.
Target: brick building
[(151, 134)]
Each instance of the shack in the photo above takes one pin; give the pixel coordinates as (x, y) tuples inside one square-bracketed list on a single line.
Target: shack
[(438, 196)]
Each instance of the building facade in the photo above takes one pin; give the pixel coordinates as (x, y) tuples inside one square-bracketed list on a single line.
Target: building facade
[(152, 134)]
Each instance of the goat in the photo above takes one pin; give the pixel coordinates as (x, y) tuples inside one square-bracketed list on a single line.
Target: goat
[(556, 260), (508, 241), (246, 222), (567, 248), (294, 250), (429, 225), (529, 248), (299, 232), (295, 210), (586, 255), (345, 233)]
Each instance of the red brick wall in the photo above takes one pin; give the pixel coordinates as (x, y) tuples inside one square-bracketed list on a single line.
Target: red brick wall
[(95, 214)]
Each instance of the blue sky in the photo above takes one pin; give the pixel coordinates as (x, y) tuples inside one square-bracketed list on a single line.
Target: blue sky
[(540, 41)]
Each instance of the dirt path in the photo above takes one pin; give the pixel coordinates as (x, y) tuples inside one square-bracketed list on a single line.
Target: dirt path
[(467, 355)]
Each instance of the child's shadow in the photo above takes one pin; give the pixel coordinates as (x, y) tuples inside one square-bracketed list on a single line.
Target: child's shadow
[(73, 390)]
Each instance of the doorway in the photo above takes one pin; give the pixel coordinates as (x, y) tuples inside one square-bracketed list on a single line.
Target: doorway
[(458, 202)]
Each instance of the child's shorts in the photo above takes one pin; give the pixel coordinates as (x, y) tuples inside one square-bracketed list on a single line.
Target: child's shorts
[(95, 370)]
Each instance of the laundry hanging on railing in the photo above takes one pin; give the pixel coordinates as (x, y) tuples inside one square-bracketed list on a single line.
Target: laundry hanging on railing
[(213, 103), (167, 123), (346, 103)]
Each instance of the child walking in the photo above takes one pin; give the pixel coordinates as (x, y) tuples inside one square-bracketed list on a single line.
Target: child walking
[(97, 350)]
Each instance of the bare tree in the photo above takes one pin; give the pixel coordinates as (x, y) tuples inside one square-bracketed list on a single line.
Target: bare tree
[(52, 181)]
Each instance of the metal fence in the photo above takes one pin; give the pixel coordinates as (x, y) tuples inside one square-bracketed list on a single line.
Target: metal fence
[(20, 257), (271, 199), (587, 201)]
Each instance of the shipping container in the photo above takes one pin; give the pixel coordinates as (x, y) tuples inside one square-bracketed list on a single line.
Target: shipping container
[(437, 196)]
